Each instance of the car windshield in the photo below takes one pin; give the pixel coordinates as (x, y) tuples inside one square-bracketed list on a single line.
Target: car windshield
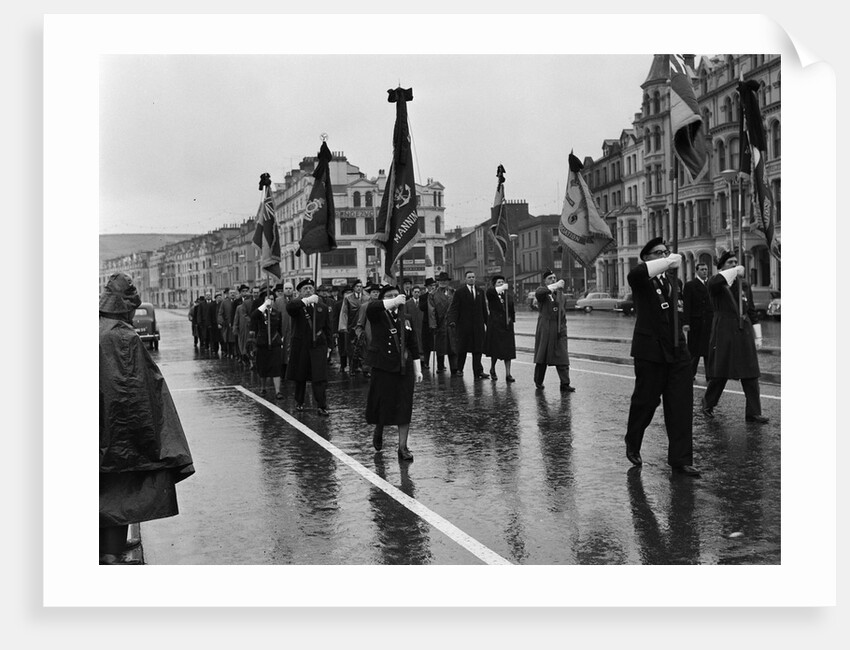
[(141, 311)]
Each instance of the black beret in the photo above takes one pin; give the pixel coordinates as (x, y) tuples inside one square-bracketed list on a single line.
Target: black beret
[(496, 277), (369, 288), (243, 286), (652, 243), (724, 257), (547, 273), (387, 288), (304, 283)]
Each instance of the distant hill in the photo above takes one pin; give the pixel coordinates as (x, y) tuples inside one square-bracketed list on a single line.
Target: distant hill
[(119, 245)]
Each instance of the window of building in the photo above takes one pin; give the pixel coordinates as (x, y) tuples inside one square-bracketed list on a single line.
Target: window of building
[(656, 103), (340, 257), (721, 156), (415, 253), (356, 199), (647, 140), (554, 235), (658, 138), (437, 225), (347, 226), (775, 138), (733, 153), (370, 225), (704, 217), (727, 110), (659, 179), (369, 199), (633, 232), (420, 224), (438, 255)]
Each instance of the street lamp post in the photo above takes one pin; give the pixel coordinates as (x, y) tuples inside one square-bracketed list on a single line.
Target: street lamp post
[(514, 237)]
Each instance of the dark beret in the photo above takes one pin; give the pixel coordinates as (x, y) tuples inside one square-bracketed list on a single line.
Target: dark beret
[(547, 273), (724, 257), (652, 243), (304, 283), (496, 277), (443, 276), (386, 288)]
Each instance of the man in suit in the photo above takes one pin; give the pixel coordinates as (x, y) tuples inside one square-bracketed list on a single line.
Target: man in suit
[(550, 336), (735, 339), (662, 363), (308, 357), (468, 317), (697, 316), (439, 302), (428, 325), (224, 318)]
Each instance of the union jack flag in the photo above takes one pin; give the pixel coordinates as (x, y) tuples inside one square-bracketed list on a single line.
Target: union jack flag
[(499, 227), (266, 236)]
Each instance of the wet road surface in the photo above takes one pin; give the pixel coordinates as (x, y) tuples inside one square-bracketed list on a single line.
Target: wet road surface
[(502, 473)]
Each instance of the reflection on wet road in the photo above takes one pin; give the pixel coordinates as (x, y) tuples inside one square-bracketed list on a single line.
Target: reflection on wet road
[(502, 473)]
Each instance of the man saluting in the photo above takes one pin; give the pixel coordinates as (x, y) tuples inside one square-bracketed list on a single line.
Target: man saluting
[(662, 364)]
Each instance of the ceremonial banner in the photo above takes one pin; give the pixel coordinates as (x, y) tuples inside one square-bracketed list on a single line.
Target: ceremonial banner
[(753, 147), (317, 234), (396, 228), (685, 120), (266, 236), (582, 229), (499, 218)]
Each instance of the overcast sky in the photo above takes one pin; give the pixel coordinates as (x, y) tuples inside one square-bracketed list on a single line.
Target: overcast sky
[(184, 138)]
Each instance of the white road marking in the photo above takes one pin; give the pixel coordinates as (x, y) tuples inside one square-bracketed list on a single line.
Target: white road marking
[(450, 530)]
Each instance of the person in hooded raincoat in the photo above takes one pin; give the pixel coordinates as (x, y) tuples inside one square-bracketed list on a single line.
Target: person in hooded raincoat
[(143, 450)]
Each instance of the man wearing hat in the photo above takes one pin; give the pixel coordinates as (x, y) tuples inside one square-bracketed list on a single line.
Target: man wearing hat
[(444, 343), (467, 316), (348, 314), (311, 333), (550, 337), (735, 339), (428, 325), (662, 362)]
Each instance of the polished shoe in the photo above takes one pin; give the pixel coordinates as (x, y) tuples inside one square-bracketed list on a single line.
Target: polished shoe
[(757, 418), (440, 371), (404, 454), (378, 439), (279, 395), (633, 456), (509, 379), (322, 411), (493, 376), (299, 407), (707, 411), (687, 470), (538, 386), (566, 388), (263, 391), (483, 376)]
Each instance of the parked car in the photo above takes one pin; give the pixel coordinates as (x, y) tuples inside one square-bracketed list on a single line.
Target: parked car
[(761, 299), (626, 305), (144, 322), (596, 300), (774, 307)]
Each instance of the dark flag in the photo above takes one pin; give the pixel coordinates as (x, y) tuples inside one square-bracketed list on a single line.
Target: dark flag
[(317, 235), (396, 229), (685, 119), (752, 140), (266, 236), (582, 229), (499, 227)]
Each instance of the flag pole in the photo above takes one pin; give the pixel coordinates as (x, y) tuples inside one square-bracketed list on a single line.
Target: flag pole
[(742, 257), (268, 313), (674, 292)]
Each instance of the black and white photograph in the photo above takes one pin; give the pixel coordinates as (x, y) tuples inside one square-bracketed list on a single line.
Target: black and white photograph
[(368, 316)]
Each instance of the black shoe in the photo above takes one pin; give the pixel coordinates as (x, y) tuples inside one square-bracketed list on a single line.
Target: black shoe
[(279, 395), (538, 386), (493, 375), (566, 388), (706, 410), (440, 371), (483, 376), (299, 407), (426, 367), (404, 454), (757, 418), (322, 411), (633, 456), (509, 379), (378, 438), (687, 470)]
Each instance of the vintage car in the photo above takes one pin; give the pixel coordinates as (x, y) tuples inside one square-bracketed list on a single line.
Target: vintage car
[(774, 309), (761, 299), (596, 300), (144, 322), (625, 305)]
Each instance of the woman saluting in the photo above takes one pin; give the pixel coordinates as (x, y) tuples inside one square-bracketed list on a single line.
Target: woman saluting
[(393, 354), (500, 342)]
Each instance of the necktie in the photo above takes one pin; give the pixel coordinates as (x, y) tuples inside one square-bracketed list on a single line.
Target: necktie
[(472, 289)]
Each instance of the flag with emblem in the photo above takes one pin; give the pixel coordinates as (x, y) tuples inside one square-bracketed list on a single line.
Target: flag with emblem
[(266, 236), (753, 145), (499, 219), (319, 224), (582, 229), (396, 224), (685, 120)]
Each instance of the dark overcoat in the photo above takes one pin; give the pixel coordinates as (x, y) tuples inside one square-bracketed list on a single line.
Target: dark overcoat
[(311, 333), (500, 341), (440, 302), (698, 315), (653, 334), (732, 349), (470, 318), (550, 337)]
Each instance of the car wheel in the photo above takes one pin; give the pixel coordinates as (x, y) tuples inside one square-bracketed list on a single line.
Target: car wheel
[(588, 309)]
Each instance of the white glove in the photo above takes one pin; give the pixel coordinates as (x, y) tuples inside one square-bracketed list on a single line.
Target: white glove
[(556, 285), (266, 304), (740, 270), (656, 267), (502, 288), (311, 300), (730, 274), (674, 260), (392, 303), (417, 370), (757, 333)]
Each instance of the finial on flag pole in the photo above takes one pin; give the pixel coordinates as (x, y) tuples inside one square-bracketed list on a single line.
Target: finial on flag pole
[(324, 137)]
